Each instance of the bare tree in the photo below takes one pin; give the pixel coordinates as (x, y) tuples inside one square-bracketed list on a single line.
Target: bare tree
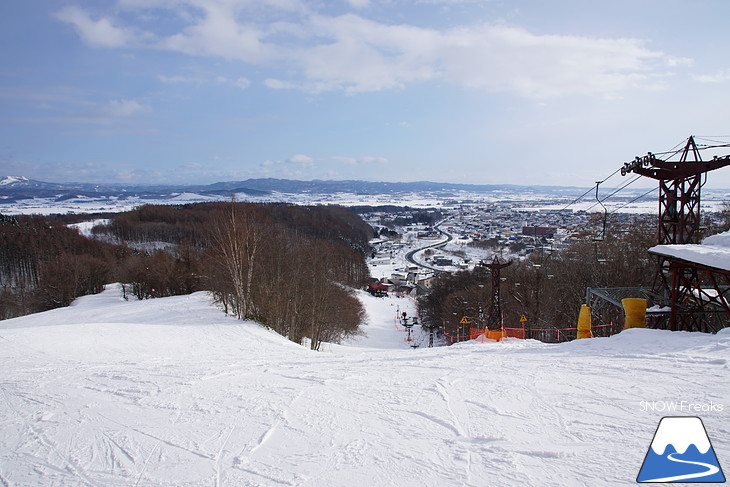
[(237, 237)]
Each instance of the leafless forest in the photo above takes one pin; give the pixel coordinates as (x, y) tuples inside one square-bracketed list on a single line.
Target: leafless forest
[(289, 267)]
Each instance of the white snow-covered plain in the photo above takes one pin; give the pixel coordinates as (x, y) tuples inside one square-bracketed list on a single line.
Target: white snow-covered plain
[(712, 200), (171, 392), (87, 204)]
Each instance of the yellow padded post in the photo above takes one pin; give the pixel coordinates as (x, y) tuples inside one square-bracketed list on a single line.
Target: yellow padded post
[(635, 312), (584, 322)]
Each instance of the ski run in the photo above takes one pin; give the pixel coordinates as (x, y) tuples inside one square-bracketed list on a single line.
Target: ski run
[(171, 392)]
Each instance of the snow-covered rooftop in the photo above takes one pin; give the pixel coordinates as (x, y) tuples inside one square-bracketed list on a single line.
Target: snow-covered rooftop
[(714, 251)]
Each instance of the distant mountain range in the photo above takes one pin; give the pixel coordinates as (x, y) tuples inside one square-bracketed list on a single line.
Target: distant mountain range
[(17, 188)]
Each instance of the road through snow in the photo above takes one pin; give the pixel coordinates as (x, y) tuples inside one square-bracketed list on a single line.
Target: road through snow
[(170, 392)]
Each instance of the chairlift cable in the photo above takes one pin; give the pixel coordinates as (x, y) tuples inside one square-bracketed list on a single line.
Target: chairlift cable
[(705, 146), (679, 148), (632, 201), (712, 139), (575, 200), (589, 191), (674, 150), (612, 175), (620, 188), (719, 143)]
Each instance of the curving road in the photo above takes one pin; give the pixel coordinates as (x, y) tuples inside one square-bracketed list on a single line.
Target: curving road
[(449, 238)]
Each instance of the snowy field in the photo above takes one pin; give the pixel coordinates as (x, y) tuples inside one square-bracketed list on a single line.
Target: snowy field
[(85, 204), (170, 392), (712, 200)]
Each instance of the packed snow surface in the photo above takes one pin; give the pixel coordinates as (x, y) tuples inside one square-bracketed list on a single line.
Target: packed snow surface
[(170, 392)]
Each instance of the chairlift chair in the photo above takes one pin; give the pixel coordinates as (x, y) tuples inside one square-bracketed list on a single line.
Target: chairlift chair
[(602, 236)]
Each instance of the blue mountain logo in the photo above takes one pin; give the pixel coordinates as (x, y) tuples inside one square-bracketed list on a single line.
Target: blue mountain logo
[(681, 452)]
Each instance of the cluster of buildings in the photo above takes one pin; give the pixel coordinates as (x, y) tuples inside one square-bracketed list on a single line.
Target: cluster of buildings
[(506, 225), (469, 233), (409, 280)]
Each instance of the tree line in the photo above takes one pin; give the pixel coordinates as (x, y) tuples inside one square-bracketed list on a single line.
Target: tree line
[(289, 267), (45, 264)]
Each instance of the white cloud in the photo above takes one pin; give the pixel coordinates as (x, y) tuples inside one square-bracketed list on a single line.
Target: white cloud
[(69, 107), (279, 84), (300, 159), (354, 54), (719, 77), (295, 160), (99, 32), (359, 3), (362, 55), (123, 108), (350, 161), (550, 65), (218, 33), (373, 160), (179, 79), (355, 161), (242, 83)]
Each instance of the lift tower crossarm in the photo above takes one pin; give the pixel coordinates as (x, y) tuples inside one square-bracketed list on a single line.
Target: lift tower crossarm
[(652, 167), (655, 168), (679, 191)]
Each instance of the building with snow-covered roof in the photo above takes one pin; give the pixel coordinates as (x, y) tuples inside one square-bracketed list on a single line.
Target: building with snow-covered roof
[(713, 252)]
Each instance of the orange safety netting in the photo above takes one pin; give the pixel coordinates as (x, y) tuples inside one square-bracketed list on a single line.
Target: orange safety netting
[(548, 335), (475, 333)]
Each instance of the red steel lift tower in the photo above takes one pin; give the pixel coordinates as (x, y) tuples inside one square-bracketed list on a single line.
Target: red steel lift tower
[(680, 183)]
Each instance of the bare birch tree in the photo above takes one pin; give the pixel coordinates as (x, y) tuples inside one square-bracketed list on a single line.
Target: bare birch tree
[(238, 236)]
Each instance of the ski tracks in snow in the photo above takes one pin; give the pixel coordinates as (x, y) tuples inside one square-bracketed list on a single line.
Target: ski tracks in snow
[(29, 438), (219, 459), (460, 418), (225, 403), (146, 462)]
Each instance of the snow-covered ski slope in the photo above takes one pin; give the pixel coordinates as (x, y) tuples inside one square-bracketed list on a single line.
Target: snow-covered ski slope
[(170, 392)]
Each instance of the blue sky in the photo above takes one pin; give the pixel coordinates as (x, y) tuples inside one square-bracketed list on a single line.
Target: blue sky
[(470, 91)]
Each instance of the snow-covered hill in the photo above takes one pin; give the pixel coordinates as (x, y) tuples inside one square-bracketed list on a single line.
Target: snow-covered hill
[(170, 392), (13, 180)]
